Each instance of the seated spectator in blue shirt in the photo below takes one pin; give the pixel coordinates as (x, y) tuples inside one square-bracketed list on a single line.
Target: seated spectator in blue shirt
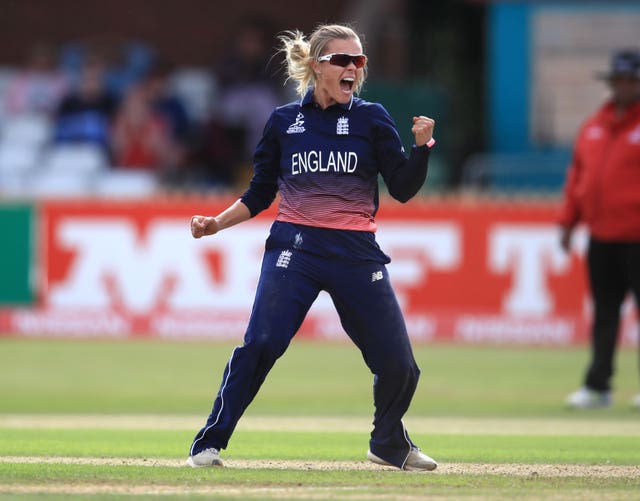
[(165, 102), (85, 115)]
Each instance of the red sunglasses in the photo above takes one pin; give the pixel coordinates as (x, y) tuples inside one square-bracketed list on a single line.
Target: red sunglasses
[(342, 59)]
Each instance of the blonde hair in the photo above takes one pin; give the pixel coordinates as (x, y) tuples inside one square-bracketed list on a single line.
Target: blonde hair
[(300, 53)]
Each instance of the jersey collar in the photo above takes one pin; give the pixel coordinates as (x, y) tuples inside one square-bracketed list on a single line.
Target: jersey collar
[(307, 100)]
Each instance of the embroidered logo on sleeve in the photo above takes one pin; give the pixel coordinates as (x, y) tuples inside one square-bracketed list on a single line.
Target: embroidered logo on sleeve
[(342, 128), (283, 259), (297, 127), (376, 275)]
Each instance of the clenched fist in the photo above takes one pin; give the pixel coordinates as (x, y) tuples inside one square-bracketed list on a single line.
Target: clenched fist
[(422, 129), (203, 225)]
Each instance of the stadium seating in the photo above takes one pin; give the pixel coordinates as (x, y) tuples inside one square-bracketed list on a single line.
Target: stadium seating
[(75, 159), (30, 130), (126, 183)]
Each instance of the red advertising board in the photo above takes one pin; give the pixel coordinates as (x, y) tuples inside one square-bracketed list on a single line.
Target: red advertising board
[(463, 270)]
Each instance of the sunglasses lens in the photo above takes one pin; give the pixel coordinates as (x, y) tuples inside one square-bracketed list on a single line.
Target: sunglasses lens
[(359, 61), (346, 59), (340, 60)]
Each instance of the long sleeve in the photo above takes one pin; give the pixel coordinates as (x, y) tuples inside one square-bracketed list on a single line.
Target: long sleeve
[(405, 179), (403, 176), (266, 161), (570, 209)]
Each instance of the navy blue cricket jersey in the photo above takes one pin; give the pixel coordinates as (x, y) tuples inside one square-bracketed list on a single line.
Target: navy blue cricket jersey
[(325, 164)]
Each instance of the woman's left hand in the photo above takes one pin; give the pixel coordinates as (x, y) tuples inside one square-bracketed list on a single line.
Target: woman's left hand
[(422, 129)]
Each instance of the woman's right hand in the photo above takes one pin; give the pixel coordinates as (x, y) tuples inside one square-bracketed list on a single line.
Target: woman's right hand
[(565, 239), (203, 225)]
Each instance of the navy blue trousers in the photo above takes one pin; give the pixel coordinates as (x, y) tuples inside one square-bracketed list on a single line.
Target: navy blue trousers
[(289, 283)]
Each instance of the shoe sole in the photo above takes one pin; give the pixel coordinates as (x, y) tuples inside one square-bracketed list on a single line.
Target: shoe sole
[(216, 464), (428, 467), (375, 459)]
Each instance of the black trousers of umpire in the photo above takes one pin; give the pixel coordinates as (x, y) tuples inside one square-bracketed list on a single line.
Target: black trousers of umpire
[(361, 291), (614, 270)]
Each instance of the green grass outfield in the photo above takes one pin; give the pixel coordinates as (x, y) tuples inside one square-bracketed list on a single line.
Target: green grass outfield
[(114, 419)]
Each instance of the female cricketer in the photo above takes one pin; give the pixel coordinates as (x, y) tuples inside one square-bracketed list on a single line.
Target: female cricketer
[(323, 154)]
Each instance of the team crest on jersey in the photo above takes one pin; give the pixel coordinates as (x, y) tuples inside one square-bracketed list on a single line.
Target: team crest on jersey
[(297, 127), (343, 126)]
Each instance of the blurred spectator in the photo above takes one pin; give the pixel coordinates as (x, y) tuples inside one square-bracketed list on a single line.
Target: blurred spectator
[(218, 156), (72, 58), (133, 61), (167, 104), (38, 87), (142, 137), (125, 63), (248, 93), (603, 192), (86, 113)]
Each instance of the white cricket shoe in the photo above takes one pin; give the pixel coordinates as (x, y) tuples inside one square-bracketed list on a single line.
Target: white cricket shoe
[(416, 461), (207, 457), (635, 401), (585, 398)]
